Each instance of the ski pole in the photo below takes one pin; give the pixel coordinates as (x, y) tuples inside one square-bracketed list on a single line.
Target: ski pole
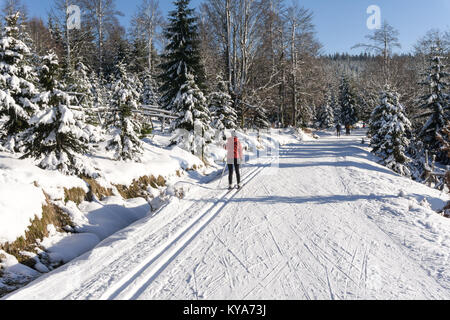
[(223, 171)]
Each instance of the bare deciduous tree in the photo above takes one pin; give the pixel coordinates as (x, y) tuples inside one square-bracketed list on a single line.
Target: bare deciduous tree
[(146, 23), (383, 42), (101, 15)]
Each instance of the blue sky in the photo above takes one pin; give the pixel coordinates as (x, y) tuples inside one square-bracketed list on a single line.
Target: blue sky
[(339, 23)]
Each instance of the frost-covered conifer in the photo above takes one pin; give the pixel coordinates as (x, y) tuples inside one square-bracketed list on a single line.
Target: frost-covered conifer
[(326, 114), (150, 95), (182, 54), (17, 84), (56, 138), (390, 128), (348, 103), (220, 105), (435, 104), (101, 96), (193, 131), (79, 83), (260, 120), (337, 110), (122, 125)]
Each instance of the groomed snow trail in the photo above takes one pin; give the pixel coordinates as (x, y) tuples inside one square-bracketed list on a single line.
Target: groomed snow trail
[(328, 224)]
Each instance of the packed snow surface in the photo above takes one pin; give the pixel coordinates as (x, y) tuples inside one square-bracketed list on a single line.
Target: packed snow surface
[(324, 221)]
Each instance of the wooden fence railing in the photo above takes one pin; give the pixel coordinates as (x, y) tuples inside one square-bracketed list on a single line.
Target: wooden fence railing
[(145, 110), (430, 176)]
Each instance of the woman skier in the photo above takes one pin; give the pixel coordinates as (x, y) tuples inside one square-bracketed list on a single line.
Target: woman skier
[(235, 157)]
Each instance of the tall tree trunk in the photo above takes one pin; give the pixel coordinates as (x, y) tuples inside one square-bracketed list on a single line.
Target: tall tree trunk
[(68, 45), (100, 36), (228, 40), (294, 76)]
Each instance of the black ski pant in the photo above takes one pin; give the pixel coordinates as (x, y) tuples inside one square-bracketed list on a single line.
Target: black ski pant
[(230, 172)]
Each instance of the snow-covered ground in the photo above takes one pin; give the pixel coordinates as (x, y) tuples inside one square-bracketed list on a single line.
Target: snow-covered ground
[(323, 221), (95, 221)]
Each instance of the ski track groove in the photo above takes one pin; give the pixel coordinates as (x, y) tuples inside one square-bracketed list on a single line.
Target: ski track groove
[(324, 255), (138, 246), (368, 206), (288, 249), (179, 243), (329, 284), (233, 254)]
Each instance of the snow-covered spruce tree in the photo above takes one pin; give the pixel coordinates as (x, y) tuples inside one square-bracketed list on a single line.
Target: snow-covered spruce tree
[(444, 137), (193, 131), (56, 138), (260, 120), (306, 114), (436, 105), (17, 84), (390, 128), (79, 83), (123, 128), (348, 103), (326, 114), (102, 96), (150, 95), (182, 54), (367, 101), (337, 110), (220, 105)]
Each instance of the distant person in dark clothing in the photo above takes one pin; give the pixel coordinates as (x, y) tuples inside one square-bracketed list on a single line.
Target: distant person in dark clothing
[(338, 130), (347, 129)]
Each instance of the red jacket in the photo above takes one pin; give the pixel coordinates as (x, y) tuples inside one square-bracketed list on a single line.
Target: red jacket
[(234, 149)]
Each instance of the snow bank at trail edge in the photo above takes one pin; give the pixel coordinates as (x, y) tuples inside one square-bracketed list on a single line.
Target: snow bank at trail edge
[(23, 184)]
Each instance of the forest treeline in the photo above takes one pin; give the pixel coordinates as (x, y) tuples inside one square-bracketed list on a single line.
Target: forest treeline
[(227, 64)]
